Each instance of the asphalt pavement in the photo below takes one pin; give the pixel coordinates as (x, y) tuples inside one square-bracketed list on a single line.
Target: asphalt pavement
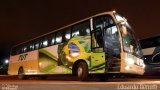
[(70, 83)]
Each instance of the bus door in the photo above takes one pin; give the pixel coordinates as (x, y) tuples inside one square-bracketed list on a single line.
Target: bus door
[(112, 47), (105, 38), (97, 55)]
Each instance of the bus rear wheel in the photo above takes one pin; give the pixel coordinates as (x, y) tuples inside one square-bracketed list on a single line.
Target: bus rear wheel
[(82, 71), (21, 74)]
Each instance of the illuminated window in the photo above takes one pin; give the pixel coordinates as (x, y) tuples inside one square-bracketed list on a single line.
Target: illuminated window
[(31, 47), (52, 39), (36, 45), (58, 38), (45, 43), (67, 35), (25, 49), (75, 33), (102, 21), (21, 50), (88, 31), (82, 29)]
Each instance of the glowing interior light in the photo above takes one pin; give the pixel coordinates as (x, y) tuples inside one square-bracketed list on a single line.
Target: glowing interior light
[(74, 54), (88, 31), (67, 36), (52, 40), (25, 48), (114, 11), (45, 43), (114, 30), (58, 39), (75, 33)]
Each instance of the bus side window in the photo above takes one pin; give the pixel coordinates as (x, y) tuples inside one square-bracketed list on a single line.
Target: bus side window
[(17, 50), (75, 31), (58, 38), (31, 47), (36, 45), (52, 41), (21, 50), (85, 28), (82, 29), (25, 49), (45, 43), (67, 35), (102, 21), (98, 23)]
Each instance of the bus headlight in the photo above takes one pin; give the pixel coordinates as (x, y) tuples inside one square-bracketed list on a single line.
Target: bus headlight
[(130, 61), (143, 65)]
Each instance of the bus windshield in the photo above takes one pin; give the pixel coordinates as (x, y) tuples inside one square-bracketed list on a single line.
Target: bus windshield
[(130, 43)]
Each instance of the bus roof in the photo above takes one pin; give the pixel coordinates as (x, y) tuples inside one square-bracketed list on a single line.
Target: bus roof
[(103, 13)]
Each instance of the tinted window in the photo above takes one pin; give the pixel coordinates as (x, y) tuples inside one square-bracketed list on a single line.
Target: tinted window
[(102, 21), (82, 29), (156, 59), (31, 47), (36, 45), (58, 38), (25, 49), (52, 39), (45, 43), (98, 24), (67, 35), (97, 38), (150, 42)]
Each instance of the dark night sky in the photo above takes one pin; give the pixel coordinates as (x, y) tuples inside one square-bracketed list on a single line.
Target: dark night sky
[(21, 20)]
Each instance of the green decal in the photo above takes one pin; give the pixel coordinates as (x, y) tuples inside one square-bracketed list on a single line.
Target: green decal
[(49, 64), (77, 48)]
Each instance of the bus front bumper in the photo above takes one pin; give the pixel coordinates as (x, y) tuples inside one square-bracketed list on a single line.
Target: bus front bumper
[(133, 69)]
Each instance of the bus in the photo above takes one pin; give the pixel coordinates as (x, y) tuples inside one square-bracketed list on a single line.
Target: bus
[(151, 51), (102, 44)]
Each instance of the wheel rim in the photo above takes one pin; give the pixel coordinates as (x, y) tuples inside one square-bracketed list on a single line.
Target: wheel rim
[(20, 73), (80, 71)]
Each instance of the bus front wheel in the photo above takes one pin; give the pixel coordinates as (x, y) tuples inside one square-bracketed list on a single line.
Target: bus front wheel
[(82, 71)]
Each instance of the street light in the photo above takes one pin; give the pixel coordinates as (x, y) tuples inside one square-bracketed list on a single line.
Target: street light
[(6, 61)]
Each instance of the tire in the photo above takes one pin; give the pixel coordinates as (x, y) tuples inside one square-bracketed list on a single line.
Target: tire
[(82, 71), (21, 74)]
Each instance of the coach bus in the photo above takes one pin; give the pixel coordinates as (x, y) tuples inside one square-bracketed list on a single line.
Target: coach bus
[(151, 51), (101, 44)]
